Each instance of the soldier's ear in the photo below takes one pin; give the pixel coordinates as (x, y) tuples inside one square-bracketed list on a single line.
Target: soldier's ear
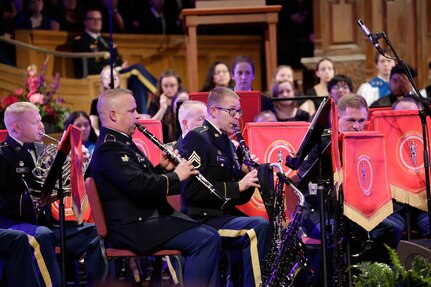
[(113, 116), (213, 112)]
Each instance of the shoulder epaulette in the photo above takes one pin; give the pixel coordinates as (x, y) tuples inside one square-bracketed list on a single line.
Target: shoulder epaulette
[(110, 138), (326, 132), (200, 129), (3, 144)]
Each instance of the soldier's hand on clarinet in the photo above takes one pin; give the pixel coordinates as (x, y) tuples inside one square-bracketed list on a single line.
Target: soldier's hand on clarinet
[(249, 180), (246, 167), (185, 169), (166, 162)]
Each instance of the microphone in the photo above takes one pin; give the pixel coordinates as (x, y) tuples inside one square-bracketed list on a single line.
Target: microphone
[(367, 33)]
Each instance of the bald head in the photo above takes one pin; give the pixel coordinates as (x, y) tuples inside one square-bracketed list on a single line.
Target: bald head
[(117, 110), (191, 114)]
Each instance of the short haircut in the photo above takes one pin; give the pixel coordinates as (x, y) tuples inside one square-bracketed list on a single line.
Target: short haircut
[(217, 95), (377, 54), (340, 78), (15, 110), (352, 101), (398, 69), (109, 99), (189, 107), (265, 115), (242, 59), (406, 100)]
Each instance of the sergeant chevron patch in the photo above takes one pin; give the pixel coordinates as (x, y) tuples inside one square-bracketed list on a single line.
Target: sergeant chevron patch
[(195, 159)]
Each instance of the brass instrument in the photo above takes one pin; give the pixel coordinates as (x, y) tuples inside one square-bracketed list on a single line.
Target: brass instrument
[(177, 159), (43, 166)]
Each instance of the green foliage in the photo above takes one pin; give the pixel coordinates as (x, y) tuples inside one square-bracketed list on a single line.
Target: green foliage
[(372, 274)]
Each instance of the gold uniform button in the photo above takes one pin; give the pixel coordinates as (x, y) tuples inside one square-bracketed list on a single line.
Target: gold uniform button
[(140, 218)]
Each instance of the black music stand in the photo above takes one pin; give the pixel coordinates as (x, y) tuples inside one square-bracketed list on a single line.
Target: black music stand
[(56, 173), (311, 139)]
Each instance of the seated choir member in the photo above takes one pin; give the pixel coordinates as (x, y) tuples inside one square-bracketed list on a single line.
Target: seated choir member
[(133, 195), (213, 154), (18, 185)]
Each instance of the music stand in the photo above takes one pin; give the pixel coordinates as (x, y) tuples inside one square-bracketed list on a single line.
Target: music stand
[(56, 173), (319, 123)]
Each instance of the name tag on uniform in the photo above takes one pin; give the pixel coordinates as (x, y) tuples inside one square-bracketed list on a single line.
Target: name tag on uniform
[(20, 170)]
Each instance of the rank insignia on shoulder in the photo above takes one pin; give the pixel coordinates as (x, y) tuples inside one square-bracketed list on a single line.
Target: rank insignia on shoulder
[(195, 159), (125, 158), (201, 129)]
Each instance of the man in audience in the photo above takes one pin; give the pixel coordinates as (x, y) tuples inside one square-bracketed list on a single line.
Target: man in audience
[(213, 154), (18, 186), (139, 80), (399, 87), (133, 195), (378, 87), (339, 86)]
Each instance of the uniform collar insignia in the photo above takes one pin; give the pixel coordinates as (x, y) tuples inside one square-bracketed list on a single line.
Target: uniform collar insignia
[(125, 158)]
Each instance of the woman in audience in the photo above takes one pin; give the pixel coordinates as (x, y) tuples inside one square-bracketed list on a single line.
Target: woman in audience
[(105, 81), (287, 111), (324, 72), (70, 16), (169, 88), (81, 120), (218, 75), (339, 86), (32, 17)]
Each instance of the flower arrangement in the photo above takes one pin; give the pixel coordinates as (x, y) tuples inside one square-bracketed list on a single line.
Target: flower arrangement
[(36, 91)]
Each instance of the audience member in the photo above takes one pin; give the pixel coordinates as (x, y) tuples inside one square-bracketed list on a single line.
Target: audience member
[(287, 111), (161, 108), (218, 76), (18, 185), (324, 72), (121, 15), (378, 87), (7, 29), (16, 253), (339, 86), (105, 82), (283, 73), (213, 155), (265, 116), (134, 194), (139, 80), (70, 16), (399, 85), (160, 18), (81, 120), (32, 17), (243, 73)]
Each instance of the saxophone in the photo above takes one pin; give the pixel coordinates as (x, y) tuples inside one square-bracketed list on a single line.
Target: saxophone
[(286, 252)]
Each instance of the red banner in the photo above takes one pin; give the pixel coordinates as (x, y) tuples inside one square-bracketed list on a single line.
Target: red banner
[(367, 198), (144, 144), (272, 142), (76, 207), (3, 135), (335, 150), (250, 103), (406, 173)]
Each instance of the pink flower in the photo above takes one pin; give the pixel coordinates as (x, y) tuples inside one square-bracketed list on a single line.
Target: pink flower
[(36, 99), (19, 92)]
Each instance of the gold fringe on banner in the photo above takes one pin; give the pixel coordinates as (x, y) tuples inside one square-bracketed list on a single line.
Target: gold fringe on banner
[(418, 200), (369, 223)]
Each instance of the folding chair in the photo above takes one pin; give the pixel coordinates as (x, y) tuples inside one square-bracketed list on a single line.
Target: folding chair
[(108, 252)]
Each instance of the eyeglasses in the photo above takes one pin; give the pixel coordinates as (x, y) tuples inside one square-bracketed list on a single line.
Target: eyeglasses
[(232, 111), (94, 19), (340, 87)]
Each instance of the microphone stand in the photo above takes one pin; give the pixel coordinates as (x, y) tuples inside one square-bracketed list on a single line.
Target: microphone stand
[(423, 113)]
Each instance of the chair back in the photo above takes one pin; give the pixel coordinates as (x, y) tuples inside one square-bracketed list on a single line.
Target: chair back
[(96, 207)]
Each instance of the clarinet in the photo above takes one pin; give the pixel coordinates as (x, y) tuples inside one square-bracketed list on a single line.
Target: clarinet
[(245, 151), (177, 159)]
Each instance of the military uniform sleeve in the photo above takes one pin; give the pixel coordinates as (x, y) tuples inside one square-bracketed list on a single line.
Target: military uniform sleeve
[(122, 168), (197, 148)]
